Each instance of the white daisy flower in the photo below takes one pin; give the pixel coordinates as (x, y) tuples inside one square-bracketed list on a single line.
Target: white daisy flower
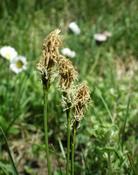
[(8, 52), (18, 64), (100, 37), (69, 53), (74, 28)]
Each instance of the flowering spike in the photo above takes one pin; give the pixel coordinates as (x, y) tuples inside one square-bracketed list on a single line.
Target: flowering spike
[(50, 55), (67, 73), (81, 99)]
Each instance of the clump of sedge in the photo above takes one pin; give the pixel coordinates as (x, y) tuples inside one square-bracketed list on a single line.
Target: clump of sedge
[(50, 60)]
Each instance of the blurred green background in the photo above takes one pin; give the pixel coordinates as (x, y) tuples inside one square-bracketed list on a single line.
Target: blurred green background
[(104, 146)]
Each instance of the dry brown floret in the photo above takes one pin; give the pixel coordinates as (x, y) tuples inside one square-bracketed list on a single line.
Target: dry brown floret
[(50, 48), (67, 73), (81, 100), (50, 55)]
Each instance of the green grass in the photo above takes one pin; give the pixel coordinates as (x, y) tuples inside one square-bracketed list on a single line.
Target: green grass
[(23, 25)]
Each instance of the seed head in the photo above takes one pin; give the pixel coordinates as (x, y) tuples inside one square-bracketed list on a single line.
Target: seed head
[(81, 100), (50, 48), (50, 55), (67, 73)]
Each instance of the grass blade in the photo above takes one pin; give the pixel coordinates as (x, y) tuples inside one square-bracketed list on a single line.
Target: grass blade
[(106, 107), (125, 121), (9, 153)]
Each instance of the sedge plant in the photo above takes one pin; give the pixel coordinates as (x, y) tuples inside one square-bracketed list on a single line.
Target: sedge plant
[(81, 99), (50, 64), (46, 65)]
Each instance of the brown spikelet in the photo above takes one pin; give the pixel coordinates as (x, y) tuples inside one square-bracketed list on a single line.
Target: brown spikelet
[(67, 73), (50, 55), (52, 41), (81, 100), (50, 48)]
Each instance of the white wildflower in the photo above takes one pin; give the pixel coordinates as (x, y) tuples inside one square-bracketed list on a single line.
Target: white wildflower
[(8, 52), (68, 52), (18, 64), (74, 28), (100, 37)]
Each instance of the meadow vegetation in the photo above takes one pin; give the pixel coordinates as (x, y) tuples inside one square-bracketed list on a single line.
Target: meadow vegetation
[(107, 137)]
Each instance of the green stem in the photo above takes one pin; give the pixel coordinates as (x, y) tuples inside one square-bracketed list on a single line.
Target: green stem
[(68, 143), (46, 129), (9, 153), (73, 150)]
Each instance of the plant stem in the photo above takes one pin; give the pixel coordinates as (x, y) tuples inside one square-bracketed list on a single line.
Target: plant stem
[(68, 143), (73, 149), (46, 129), (9, 153)]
